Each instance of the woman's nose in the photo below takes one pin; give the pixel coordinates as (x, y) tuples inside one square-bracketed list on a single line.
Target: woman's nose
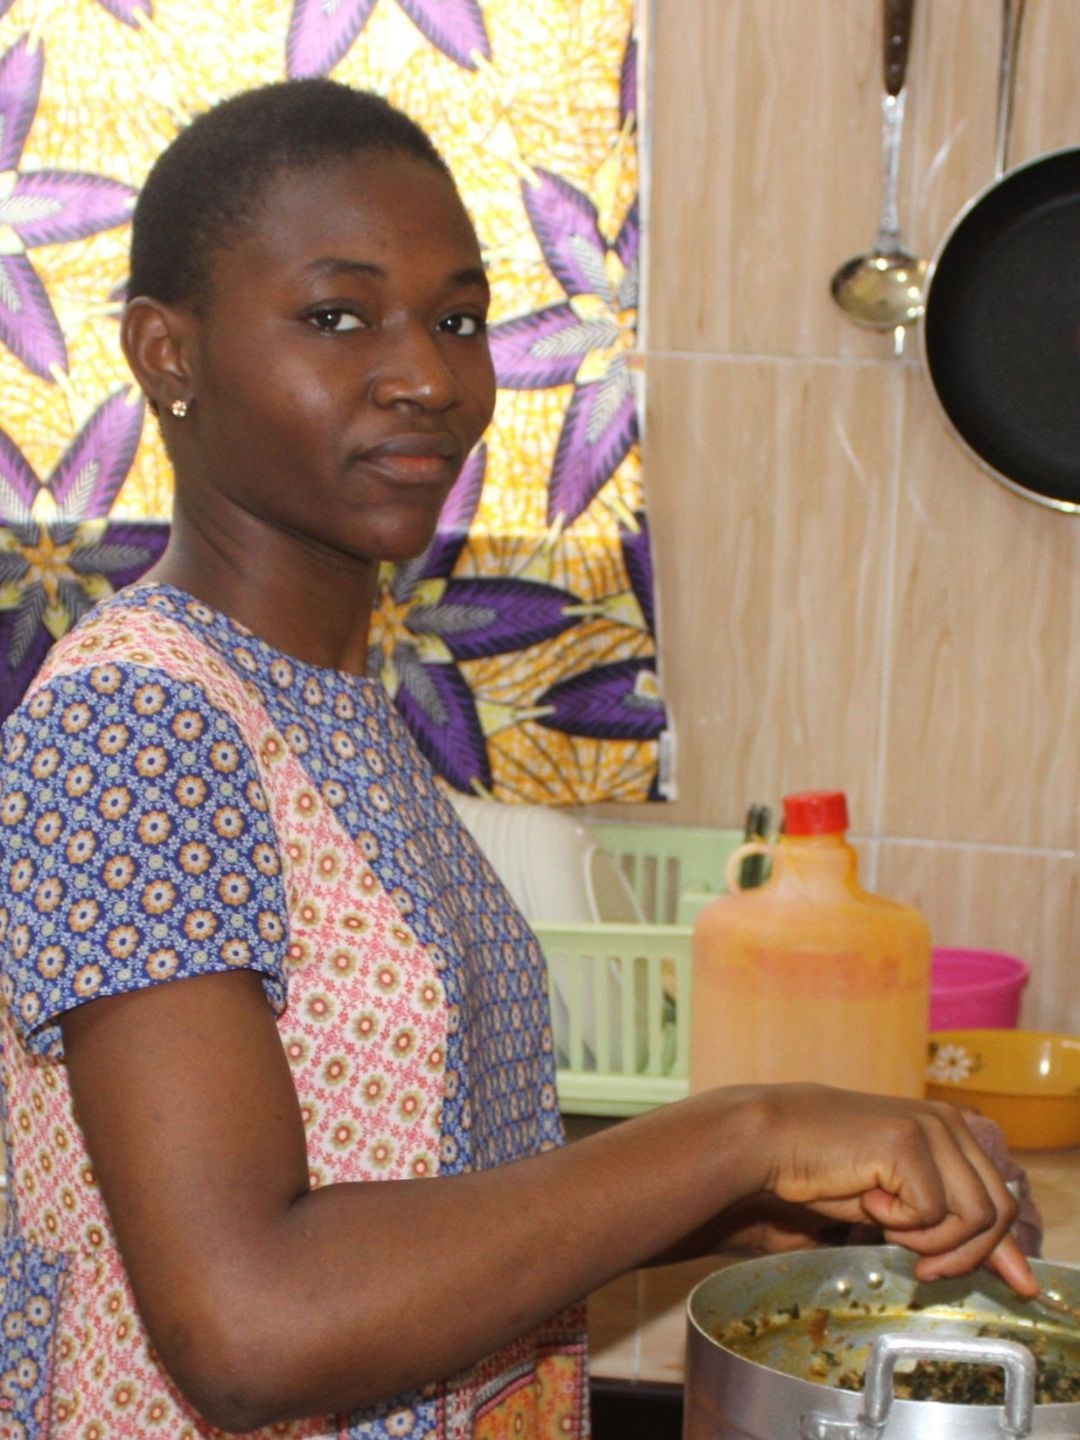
[(412, 369)]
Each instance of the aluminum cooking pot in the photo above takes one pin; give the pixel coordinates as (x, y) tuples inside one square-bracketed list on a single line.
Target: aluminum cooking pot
[(820, 1316)]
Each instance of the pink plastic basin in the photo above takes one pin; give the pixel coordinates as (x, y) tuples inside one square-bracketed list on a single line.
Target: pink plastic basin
[(975, 989)]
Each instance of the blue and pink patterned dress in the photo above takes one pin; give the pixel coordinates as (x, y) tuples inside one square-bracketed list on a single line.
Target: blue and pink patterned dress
[(180, 799)]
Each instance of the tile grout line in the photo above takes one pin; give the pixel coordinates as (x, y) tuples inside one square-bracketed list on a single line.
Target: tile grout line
[(888, 612), (982, 847), (648, 353), (645, 27)]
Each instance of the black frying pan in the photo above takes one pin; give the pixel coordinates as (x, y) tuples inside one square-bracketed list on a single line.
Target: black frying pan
[(1001, 330)]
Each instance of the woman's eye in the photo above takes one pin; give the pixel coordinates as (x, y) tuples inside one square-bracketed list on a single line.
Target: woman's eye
[(332, 321), (465, 326)]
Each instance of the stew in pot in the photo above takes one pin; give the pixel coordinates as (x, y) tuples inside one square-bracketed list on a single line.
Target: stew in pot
[(830, 1346)]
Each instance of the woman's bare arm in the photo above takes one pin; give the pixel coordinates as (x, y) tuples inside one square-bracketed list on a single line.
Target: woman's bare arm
[(267, 1300)]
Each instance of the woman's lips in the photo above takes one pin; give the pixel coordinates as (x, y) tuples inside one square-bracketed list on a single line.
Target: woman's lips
[(417, 459)]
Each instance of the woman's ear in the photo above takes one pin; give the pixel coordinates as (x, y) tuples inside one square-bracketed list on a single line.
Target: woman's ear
[(155, 341)]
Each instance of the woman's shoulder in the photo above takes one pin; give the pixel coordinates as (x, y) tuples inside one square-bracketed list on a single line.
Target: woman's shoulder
[(150, 633)]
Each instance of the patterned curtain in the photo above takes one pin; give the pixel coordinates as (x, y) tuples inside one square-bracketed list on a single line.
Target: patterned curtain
[(521, 647)]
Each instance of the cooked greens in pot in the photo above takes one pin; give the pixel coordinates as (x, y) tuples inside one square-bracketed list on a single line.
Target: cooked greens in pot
[(830, 1346), (957, 1384)]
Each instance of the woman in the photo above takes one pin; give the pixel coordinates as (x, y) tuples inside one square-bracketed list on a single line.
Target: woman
[(245, 940)]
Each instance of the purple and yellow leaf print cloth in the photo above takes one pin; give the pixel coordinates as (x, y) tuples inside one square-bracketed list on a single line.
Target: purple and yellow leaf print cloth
[(524, 659), (179, 799)]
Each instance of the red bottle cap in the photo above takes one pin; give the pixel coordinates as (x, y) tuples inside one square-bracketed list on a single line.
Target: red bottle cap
[(815, 812)]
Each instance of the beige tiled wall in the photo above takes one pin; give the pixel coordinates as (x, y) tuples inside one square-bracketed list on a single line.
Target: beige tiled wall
[(846, 599)]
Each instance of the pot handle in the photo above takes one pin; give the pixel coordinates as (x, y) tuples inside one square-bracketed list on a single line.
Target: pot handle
[(1016, 1360)]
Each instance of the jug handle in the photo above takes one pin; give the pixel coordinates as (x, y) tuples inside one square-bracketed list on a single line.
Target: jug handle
[(735, 862)]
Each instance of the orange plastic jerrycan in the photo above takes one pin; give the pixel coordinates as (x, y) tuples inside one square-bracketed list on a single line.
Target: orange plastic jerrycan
[(809, 976)]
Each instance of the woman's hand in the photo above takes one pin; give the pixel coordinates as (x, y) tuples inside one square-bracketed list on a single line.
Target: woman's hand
[(911, 1168)]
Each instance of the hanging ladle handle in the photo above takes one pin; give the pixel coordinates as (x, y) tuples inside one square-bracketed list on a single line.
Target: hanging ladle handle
[(897, 41), (1012, 17), (898, 15), (885, 289)]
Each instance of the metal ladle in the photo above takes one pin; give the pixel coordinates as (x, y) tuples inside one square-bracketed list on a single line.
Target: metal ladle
[(1050, 1300), (886, 288)]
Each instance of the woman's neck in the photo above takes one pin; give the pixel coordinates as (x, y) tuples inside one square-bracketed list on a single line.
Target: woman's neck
[(314, 607)]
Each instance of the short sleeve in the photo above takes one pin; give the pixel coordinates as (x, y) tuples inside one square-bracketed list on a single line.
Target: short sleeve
[(136, 847)]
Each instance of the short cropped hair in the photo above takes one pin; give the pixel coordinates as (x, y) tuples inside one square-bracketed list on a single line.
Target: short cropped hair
[(204, 189)]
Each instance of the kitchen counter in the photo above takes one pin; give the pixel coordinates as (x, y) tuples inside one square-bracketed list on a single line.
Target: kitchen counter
[(637, 1324)]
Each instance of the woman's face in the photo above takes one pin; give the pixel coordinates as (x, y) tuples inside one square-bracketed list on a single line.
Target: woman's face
[(340, 367)]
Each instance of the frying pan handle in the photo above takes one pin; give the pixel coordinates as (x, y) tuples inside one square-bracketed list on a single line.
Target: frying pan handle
[(1012, 18), (898, 15)]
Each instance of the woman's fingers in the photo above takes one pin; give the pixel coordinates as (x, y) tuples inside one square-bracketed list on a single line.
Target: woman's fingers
[(863, 1157), (980, 1207), (979, 1210), (973, 1198), (992, 1245), (1005, 1259), (1010, 1262), (912, 1168)]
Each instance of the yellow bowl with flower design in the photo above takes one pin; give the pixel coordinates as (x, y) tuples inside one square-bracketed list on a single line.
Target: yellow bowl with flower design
[(1028, 1081)]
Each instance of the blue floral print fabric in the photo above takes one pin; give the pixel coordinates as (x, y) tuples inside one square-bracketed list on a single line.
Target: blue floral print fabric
[(140, 844)]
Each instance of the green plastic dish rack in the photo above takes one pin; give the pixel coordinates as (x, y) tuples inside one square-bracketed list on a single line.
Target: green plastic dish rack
[(621, 993)]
